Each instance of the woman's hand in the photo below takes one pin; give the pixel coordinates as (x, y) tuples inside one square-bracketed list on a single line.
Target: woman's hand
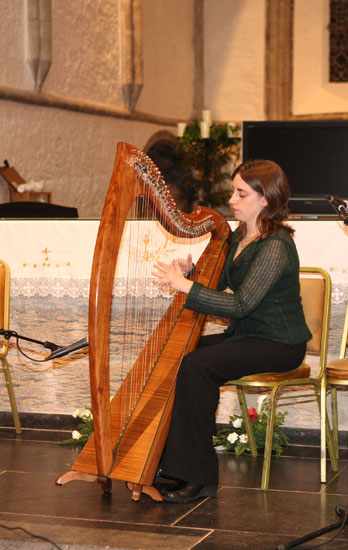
[(228, 290), (185, 264), (172, 274)]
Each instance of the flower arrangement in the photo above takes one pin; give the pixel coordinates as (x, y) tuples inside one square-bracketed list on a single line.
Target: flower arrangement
[(207, 163), (84, 430), (234, 439)]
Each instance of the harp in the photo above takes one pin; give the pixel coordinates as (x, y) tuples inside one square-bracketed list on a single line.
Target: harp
[(130, 430)]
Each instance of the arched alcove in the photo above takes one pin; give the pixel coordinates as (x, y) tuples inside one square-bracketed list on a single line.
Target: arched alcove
[(163, 149)]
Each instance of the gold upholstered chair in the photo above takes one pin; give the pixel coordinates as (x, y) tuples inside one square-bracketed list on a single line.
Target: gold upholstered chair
[(4, 324), (336, 377), (316, 300)]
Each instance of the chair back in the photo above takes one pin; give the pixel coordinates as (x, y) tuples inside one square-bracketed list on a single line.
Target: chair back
[(4, 301), (316, 301), (344, 341)]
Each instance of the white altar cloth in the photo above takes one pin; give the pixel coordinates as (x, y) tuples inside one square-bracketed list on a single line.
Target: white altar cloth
[(54, 257)]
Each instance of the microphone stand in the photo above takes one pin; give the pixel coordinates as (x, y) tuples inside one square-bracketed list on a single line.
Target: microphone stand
[(331, 527), (8, 333), (56, 351), (339, 206)]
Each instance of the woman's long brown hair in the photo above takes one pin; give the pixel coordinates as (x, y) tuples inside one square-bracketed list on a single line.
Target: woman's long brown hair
[(267, 178)]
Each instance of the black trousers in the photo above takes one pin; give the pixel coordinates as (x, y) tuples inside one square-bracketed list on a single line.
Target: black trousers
[(189, 454)]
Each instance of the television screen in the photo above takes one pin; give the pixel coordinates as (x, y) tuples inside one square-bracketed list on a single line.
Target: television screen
[(313, 154)]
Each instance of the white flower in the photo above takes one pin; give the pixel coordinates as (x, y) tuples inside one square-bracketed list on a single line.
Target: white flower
[(237, 423), (243, 438), (76, 435), (86, 413), (232, 438), (83, 413)]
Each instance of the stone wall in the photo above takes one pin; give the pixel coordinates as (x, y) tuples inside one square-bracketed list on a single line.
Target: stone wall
[(65, 131)]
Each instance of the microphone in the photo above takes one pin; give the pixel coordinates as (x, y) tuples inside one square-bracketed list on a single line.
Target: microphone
[(341, 207), (62, 351)]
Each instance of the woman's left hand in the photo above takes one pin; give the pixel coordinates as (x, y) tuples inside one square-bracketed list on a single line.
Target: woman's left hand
[(172, 275)]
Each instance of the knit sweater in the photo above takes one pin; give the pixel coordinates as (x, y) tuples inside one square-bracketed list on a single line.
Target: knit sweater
[(266, 300)]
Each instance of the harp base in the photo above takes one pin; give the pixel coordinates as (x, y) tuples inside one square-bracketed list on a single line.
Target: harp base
[(149, 490), (75, 475), (135, 488)]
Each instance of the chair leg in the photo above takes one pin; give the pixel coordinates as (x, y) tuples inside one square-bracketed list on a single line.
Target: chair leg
[(269, 440), (326, 438), (247, 421), (11, 394), (334, 420), (324, 428), (330, 446)]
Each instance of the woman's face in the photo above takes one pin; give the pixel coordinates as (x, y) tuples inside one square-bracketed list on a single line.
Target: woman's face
[(245, 201)]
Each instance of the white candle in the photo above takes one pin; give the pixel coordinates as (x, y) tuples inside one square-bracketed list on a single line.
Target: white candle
[(204, 130), (181, 128), (230, 127), (206, 117)]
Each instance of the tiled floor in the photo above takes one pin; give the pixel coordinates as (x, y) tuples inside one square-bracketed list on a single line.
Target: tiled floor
[(240, 516)]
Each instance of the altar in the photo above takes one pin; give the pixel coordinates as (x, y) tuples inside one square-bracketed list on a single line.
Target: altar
[(50, 263), (54, 257)]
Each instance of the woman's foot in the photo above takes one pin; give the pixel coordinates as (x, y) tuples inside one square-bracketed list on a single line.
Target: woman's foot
[(188, 492)]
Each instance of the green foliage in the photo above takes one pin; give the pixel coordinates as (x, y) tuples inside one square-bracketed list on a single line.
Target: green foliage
[(208, 161), (81, 435), (234, 439)]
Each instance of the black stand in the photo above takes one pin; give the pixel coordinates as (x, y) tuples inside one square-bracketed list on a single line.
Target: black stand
[(56, 351), (8, 333), (338, 524), (339, 206)]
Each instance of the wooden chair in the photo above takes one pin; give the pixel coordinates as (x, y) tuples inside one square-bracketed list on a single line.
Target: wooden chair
[(4, 324), (316, 300), (336, 373)]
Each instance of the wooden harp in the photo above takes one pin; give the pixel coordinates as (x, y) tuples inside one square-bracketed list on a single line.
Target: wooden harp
[(130, 430)]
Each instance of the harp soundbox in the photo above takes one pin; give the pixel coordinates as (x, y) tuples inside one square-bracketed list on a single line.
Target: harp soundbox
[(130, 429)]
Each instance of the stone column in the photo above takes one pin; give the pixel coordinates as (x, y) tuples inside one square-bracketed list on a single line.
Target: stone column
[(198, 53), (38, 43), (131, 52), (279, 59), (45, 26)]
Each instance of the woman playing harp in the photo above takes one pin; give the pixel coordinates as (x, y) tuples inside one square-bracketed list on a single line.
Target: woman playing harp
[(130, 430), (259, 292)]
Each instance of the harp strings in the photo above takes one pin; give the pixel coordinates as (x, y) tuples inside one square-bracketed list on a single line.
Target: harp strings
[(143, 331), (141, 313)]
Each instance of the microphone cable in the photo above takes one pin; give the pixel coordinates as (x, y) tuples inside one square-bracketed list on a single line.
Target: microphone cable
[(7, 334), (31, 535), (28, 356)]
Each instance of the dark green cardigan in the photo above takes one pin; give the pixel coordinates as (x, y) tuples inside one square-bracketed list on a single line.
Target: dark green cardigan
[(266, 298)]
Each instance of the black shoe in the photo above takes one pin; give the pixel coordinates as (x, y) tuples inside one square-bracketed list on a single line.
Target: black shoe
[(189, 492)]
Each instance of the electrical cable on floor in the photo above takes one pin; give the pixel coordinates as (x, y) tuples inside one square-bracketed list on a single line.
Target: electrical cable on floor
[(338, 525), (31, 535)]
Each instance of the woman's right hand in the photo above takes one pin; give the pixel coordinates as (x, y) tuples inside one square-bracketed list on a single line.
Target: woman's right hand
[(172, 275)]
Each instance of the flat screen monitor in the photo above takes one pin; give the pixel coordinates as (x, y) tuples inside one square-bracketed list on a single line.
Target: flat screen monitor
[(313, 154)]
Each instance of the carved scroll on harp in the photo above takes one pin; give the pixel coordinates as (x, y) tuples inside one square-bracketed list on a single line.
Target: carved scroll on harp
[(130, 450)]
